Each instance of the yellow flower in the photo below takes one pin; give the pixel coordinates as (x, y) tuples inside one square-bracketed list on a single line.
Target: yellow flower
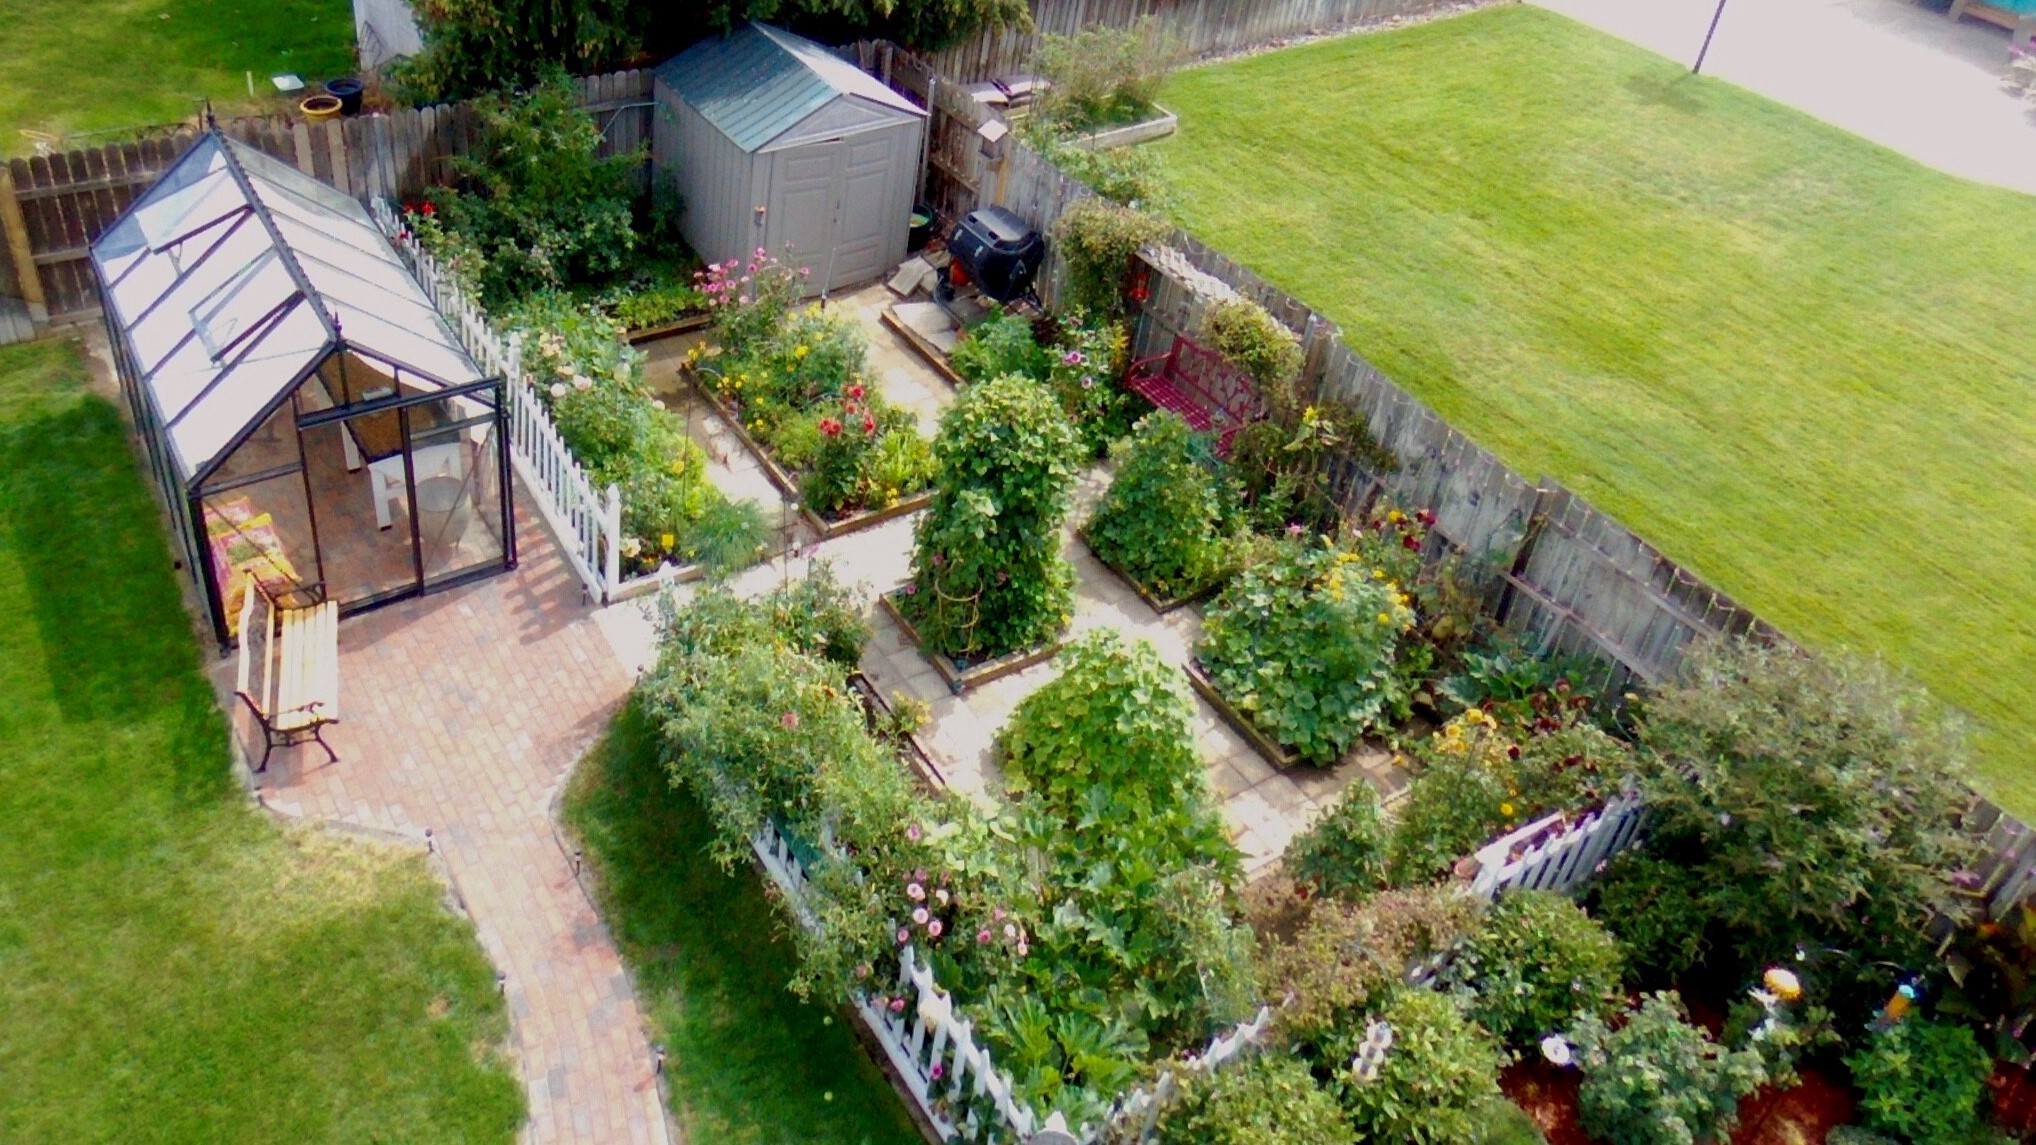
[(1378, 574), (670, 542), (1782, 983), (1395, 517), (679, 463), (1506, 809), (799, 351), (1385, 618)]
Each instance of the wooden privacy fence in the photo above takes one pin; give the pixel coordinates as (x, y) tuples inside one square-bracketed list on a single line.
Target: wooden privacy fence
[(1202, 28), (52, 207)]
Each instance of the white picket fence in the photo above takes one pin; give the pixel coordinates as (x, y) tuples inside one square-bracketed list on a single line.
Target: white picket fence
[(586, 520), (935, 1051), (1556, 854)]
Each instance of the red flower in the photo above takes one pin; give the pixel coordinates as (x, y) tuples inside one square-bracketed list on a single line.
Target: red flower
[(869, 424), (830, 427), (1412, 542), (855, 391), (429, 209)]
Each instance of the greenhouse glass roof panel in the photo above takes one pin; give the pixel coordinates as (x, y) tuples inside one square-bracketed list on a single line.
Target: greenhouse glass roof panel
[(236, 273)]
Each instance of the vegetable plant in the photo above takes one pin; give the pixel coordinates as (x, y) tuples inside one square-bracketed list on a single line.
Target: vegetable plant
[(1922, 1081), (1657, 1079), (1167, 520), (1536, 964)]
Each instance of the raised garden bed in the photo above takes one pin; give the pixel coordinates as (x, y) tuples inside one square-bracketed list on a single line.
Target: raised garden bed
[(824, 529), (961, 677), (1161, 605), (934, 355), (1279, 756), (677, 326), (1159, 126), (878, 708)]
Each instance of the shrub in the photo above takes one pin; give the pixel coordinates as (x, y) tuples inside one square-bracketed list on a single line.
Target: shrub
[(1348, 958), (1437, 1071), (1267, 1099), (1128, 176), (1097, 241), (1922, 1081), (987, 573), (1259, 344), (1536, 965), (1343, 853), (815, 615), (1165, 520), (1660, 909), (1284, 470), (1103, 76), (999, 345), (1452, 808), (1303, 643), (1657, 1080), (1815, 798), (1082, 368), (536, 203)]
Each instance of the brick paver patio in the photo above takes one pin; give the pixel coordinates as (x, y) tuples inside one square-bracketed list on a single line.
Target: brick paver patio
[(463, 713)]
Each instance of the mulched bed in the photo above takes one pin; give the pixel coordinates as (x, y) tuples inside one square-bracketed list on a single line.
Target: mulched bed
[(1803, 1115)]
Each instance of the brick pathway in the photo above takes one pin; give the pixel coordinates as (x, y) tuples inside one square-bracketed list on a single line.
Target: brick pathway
[(463, 714)]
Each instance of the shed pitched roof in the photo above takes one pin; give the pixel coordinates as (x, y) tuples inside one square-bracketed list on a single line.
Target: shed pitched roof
[(758, 82), (235, 274)]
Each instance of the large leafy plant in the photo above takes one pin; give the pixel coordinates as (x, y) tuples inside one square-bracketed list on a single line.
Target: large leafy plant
[(1268, 1099), (1815, 799), (987, 573), (1303, 643), (1657, 1080), (1167, 520), (1536, 964), (1097, 240), (1922, 1081), (1417, 1071), (998, 345), (1344, 852), (536, 203)]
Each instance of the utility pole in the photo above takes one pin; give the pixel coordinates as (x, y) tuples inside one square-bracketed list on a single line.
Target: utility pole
[(1712, 31)]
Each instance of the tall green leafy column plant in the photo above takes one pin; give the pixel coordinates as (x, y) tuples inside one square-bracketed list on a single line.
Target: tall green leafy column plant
[(987, 574)]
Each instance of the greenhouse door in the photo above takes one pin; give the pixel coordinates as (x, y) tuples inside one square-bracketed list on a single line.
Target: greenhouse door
[(408, 494)]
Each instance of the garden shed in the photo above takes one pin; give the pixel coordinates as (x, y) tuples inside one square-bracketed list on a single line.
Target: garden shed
[(776, 142), (309, 418)]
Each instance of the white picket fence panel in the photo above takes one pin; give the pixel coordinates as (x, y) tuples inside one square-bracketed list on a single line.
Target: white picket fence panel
[(1143, 1107), (1550, 855), (587, 520)]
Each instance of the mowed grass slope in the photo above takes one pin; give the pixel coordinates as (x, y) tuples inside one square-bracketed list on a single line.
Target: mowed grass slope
[(749, 1063), (1795, 361), (173, 966), (88, 65)]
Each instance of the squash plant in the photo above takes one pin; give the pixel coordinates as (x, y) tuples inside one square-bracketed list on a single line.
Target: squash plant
[(1168, 520)]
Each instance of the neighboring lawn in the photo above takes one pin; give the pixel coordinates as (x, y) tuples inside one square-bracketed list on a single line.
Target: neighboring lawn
[(1790, 358), (84, 65), (174, 967), (749, 1063)]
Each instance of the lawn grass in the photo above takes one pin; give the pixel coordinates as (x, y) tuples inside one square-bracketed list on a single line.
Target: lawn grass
[(89, 65), (173, 966), (750, 1064), (1790, 358)]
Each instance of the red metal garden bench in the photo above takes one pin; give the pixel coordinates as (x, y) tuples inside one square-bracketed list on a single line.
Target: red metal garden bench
[(1209, 392)]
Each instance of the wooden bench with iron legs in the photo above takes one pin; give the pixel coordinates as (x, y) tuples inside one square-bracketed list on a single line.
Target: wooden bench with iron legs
[(1211, 393), (297, 651)]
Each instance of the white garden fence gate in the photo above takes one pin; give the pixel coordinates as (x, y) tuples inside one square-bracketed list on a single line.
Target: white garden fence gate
[(586, 520)]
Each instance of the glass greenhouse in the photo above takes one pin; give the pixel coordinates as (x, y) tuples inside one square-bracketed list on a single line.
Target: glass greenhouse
[(312, 422)]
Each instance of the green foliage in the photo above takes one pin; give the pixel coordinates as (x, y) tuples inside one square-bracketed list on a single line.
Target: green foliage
[(482, 45), (1510, 679), (1535, 966), (1452, 808), (1657, 1080), (1347, 958), (815, 615), (589, 378), (1000, 344), (1167, 520), (1083, 365), (1102, 76), (1991, 970), (1343, 853), (1283, 466), (1433, 1080), (1267, 1099), (987, 574), (1303, 643), (1259, 344), (1659, 908), (1815, 798), (1128, 176), (795, 379), (1097, 240), (536, 206), (1507, 1124), (1922, 1081)]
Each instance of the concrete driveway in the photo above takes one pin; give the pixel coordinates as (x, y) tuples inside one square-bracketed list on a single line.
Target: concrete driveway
[(1895, 72)]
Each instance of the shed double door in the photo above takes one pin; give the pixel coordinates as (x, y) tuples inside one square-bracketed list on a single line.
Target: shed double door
[(834, 207)]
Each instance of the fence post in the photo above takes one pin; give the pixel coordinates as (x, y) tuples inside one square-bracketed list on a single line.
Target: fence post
[(19, 251), (611, 541)]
